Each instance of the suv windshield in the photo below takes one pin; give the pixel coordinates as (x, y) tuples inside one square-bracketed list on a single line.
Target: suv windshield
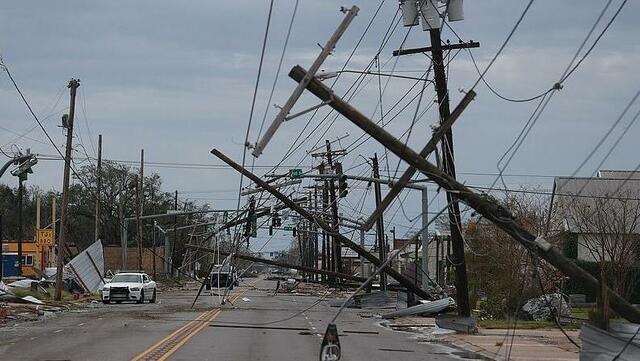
[(126, 278)]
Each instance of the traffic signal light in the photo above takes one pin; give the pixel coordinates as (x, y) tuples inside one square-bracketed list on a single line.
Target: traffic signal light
[(276, 221), (342, 186), (342, 181)]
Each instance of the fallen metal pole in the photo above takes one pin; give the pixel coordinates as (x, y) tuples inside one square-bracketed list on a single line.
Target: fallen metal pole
[(322, 224), (489, 209), (279, 264)]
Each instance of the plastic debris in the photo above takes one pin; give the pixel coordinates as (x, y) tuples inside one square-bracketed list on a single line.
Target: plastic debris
[(32, 299)]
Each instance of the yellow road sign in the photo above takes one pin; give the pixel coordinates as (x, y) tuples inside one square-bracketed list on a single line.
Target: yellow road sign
[(45, 237)]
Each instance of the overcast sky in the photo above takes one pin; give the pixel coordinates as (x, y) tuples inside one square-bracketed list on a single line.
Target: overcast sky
[(177, 79)]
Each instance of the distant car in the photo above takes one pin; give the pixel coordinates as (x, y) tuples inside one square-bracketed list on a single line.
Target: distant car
[(223, 276), (129, 286)]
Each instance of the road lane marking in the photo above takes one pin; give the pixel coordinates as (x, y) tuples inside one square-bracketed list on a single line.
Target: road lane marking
[(56, 331), (164, 348)]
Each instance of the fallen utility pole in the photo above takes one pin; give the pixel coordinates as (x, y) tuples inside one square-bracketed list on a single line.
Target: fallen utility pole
[(286, 108), (279, 264), (486, 207), (322, 224), (73, 86)]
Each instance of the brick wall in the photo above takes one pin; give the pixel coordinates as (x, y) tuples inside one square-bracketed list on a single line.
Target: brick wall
[(113, 259)]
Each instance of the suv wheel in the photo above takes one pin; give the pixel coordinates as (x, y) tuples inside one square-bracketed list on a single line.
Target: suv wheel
[(141, 300), (153, 298)]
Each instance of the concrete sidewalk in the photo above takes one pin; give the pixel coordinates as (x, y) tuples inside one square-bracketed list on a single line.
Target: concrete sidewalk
[(501, 344)]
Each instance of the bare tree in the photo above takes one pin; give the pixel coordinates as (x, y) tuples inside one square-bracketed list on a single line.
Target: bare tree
[(607, 229), (500, 270)]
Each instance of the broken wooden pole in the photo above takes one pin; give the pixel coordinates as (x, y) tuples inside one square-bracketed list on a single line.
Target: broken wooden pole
[(489, 209)]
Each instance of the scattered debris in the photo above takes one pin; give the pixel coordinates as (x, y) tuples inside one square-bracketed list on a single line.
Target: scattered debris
[(544, 307), (367, 300), (24, 283), (87, 268), (32, 299), (245, 299), (432, 307)]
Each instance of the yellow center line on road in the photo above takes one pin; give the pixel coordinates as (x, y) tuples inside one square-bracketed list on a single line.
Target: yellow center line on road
[(167, 346)]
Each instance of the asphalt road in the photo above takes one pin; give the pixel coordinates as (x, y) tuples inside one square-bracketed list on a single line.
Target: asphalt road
[(259, 326)]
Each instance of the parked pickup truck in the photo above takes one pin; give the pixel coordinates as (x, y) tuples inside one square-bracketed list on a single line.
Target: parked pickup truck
[(129, 286)]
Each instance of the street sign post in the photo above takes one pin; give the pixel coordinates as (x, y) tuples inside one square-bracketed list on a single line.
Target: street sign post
[(295, 173), (44, 237)]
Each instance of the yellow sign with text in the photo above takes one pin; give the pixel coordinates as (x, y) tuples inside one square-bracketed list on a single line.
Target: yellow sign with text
[(45, 237)]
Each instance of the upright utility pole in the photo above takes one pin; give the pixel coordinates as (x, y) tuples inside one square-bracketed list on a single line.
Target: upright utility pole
[(73, 86), (336, 248), (54, 220), (98, 189), (462, 288), (326, 242), (175, 234), (425, 239), (382, 245), (315, 232), (123, 227), (20, 235), (139, 196)]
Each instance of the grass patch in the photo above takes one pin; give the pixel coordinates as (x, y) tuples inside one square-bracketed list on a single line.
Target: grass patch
[(526, 325)]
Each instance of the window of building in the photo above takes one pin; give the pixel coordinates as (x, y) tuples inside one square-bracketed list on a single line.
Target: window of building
[(27, 260)]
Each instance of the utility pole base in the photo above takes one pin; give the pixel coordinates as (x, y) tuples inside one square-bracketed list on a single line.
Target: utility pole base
[(459, 324)]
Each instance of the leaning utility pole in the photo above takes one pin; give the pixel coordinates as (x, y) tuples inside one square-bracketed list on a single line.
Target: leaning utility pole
[(139, 196), (381, 244), (483, 205), (283, 114), (404, 281), (73, 86), (98, 189)]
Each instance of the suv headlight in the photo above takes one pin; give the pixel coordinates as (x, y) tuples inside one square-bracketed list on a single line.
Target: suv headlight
[(134, 289), (105, 289)]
